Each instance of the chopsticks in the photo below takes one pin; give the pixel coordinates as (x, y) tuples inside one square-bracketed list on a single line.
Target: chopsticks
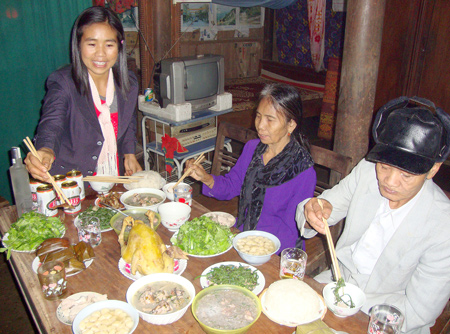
[(197, 161), (334, 260), (113, 179), (62, 197)]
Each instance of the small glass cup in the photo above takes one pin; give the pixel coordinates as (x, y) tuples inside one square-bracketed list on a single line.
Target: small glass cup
[(385, 319), (293, 263), (89, 231), (183, 193), (52, 278)]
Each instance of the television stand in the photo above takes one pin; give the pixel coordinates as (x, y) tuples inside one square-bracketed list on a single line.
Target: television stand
[(182, 112), (198, 146)]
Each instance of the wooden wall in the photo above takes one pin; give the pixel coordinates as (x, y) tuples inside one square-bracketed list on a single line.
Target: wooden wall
[(414, 52), (159, 21)]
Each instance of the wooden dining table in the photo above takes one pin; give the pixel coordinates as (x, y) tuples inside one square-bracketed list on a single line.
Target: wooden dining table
[(103, 276)]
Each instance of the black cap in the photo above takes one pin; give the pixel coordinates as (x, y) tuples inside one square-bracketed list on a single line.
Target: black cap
[(411, 134)]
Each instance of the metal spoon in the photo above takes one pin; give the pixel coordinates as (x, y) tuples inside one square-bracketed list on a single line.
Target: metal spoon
[(117, 210)]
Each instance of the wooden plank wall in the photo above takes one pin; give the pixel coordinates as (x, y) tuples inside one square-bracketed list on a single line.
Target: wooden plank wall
[(241, 55)]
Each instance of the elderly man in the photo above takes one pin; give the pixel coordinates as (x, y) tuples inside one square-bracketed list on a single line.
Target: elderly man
[(396, 241)]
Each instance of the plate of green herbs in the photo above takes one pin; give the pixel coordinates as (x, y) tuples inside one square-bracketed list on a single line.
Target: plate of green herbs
[(102, 213), (203, 237), (234, 273), (29, 231)]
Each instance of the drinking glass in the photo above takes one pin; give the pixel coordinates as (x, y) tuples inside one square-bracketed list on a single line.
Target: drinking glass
[(52, 278), (89, 231), (385, 319), (183, 193), (293, 263)]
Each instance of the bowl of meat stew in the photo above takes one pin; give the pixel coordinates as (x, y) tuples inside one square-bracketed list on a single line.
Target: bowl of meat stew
[(229, 309), (143, 198), (161, 299)]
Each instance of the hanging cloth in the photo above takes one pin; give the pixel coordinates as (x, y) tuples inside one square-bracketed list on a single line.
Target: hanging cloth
[(107, 161), (316, 18)]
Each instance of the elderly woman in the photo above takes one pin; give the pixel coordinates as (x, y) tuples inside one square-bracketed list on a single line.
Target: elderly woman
[(274, 173)]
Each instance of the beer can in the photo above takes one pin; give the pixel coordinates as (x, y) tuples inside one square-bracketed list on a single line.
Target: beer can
[(59, 179), (34, 184), (47, 200), (148, 93), (75, 175), (72, 192)]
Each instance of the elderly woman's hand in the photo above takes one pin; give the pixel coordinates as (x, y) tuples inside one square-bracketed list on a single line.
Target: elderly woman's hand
[(198, 173), (37, 169), (314, 213)]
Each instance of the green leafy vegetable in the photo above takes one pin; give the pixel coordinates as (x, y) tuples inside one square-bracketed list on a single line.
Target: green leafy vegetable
[(203, 236), (234, 275), (338, 297), (103, 214), (30, 231)]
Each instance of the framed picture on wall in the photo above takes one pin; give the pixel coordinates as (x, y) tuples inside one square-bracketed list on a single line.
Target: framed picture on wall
[(194, 16), (251, 17), (130, 19), (225, 17)]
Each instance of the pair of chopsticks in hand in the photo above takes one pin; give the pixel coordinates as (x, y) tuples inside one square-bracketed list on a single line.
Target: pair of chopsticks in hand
[(62, 197), (113, 179), (197, 161), (337, 272)]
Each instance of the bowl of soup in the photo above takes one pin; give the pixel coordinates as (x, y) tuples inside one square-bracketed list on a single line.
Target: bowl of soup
[(229, 309), (143, 198), (161, 299)]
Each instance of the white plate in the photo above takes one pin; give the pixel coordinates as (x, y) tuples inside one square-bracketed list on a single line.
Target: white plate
[(231, 220), (174, 236), (59, 313), (261, 282), (125, 268), (319, 316), (5, 244), (35, 265), (77, 220)]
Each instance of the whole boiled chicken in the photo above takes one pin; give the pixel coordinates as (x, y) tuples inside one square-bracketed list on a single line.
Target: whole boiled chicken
[(145, 250)]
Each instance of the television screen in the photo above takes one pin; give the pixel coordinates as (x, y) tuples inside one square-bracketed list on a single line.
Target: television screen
[(201, 81), (197, 80)]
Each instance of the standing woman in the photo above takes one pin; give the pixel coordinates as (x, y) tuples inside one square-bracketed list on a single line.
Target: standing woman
[(274, 173), (88, 118)]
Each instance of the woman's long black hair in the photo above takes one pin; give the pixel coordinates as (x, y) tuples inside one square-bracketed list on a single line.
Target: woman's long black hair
[(89, 16), (287, 100)]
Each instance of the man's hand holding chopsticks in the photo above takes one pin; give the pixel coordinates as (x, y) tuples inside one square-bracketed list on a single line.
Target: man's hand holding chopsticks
[(314, 214)]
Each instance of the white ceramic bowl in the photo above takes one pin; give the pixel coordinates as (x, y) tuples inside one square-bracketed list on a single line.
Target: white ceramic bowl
[(130, 193), (256, 260), (161, 319), (101, 187), (174, 214), (168, 193), (105, 304), (358, 297)]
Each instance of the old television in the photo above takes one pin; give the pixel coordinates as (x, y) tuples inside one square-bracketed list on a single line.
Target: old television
[(196, 80)]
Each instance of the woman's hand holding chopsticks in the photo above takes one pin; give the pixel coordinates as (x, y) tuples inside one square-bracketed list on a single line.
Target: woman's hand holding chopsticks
[(38, 169), (195, 170)]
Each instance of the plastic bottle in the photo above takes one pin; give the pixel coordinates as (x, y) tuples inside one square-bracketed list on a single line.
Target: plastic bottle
[(20, 181)]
